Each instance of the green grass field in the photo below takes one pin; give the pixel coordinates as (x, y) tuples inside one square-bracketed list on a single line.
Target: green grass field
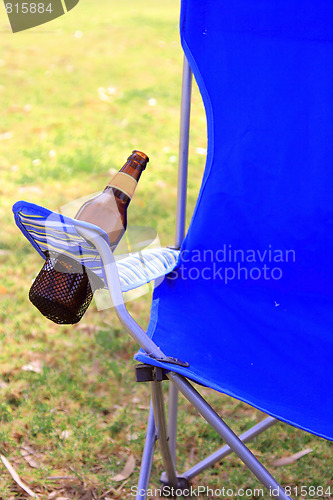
[(77, 95)]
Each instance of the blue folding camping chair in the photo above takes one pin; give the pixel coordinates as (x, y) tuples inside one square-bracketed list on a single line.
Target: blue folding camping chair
[(247, 309)]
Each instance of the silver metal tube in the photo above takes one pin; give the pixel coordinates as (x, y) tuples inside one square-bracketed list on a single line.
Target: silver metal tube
[(147, 457), (110, 267), (160, 422), (226, 450), (184, 138), (183, 152), (228, 436), (172, 419)]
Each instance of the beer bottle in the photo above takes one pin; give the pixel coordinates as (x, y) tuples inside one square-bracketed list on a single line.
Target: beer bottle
[(64, 288), (108, 209)]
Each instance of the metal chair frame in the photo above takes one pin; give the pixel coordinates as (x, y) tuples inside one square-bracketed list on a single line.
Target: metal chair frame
[(158, 427)]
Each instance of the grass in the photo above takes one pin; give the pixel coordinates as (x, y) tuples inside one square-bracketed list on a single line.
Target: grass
[(76, 96)]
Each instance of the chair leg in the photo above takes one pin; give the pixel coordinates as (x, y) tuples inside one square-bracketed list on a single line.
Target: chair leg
[(160, 422), (172, 420), (228, 436), (147, 458), (226, 450)]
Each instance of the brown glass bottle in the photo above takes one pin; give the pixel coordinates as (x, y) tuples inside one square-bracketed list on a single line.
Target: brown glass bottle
[(108, 210), (64, 288)]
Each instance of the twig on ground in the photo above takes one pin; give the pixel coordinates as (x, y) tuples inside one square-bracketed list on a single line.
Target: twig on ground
[(16, 477)]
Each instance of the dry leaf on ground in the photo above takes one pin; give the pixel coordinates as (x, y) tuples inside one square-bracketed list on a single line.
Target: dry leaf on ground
[(291, 459), (56, 495), (65, 434), (30, 455), (127, 470), (88, 495), (34, 366), (6, 135), (3, 384)]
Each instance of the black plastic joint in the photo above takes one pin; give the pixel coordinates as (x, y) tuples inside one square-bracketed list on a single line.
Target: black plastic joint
[(183, 488), (149, 373)]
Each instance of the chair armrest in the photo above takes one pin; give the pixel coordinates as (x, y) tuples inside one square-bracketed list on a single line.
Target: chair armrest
[(89, 244), (49, 231), (145, 266)]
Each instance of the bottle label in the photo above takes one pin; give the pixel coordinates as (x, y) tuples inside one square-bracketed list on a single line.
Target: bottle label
[(124, 182)]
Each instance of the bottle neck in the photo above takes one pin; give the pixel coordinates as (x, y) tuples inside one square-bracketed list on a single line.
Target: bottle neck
[(125, 181)]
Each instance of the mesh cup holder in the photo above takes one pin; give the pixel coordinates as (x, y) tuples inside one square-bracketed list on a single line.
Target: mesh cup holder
[(63, 289)]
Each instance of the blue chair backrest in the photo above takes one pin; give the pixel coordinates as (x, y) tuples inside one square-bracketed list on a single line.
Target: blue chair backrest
[(250, 307), (265, 69)]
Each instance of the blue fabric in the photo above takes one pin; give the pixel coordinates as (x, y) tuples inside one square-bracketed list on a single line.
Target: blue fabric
[(51, 231), (251, 306)]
